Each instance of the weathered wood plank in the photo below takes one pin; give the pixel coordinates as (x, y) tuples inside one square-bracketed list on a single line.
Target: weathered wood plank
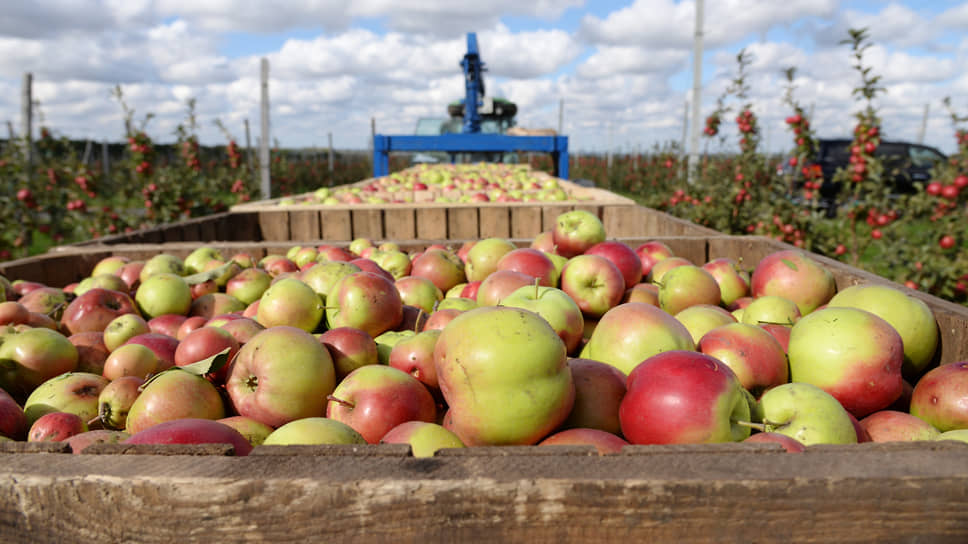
[(274, 225), (432, 223), (495, 222), (368, 224), (336, 225), (304, 225), (462, 223), (400, 223), (526, 221)]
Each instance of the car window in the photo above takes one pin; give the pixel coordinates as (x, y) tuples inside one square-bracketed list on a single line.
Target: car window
[(835, 152), (925, 157)]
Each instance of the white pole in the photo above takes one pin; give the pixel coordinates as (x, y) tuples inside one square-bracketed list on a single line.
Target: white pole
[(26, 117), (696, 90), (924, 123), (561, 115), (264, 140)]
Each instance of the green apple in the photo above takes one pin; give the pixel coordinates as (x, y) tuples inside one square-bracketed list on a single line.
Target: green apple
[(313, 430), (122, 328), (458, 303), (291, 302), (163, 263), (555, 306), (632, 332), (424, 438), (73, 392), (806, 413), (483, 257), (323, 276), (163, 293), (686, 286), (771, 309), (196, 260), (960, 435), (702, 318)]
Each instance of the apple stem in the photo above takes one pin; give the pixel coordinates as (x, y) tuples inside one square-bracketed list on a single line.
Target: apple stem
[(758, 426), (416, 325), (338, 400), (537, 281)]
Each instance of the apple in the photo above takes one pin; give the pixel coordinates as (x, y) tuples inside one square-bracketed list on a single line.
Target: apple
[(367, 265), (93, 310), (162, 294), (771, 309), (733, 282), (702, 318), (115, 401), (892, 426), (56, 427), (323, 276), (350, 348), (167, 324), (424, 438), (366, 301), (290, 302), (851, 354), (483, 257), (131, 273), (632, 332), (203, 343), (440, 318), (31, 357), (604, 442), (660, 268), (532, 263), (940, 397), (190, 430), (163, 345), (501, 284), (192, 323), (79, 442), (196, 260), (791, 445), (13, 422), (544, 241), (756, 358), (210, 305), (282, 374), (504, 374), (397, 263), (780, 332), (91, 351), (72, 392), (683, 397), (686, 286), (909, 316), (109, 265), (594, 282), (623, 257), (415, 356), (313, 431), (254, 432), (806, 413), (419, 292), (642, 292), (576, 231), (174, 395), (556, 307), (599, 389), (374, 399), (248, 285), (162, 263), (444, 268), (102, 281), (652, 252), (458, 303), (278, 265), (794, 275), (13, 313), (333, 253), (122, 328), (204, 288)]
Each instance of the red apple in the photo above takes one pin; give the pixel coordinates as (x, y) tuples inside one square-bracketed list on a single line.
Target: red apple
[(79, 442), (790, 444), (940, 397), (56, 427), (756, 358), (130, 360), (32, 357), (652, 252), (163, 345), (350, 349), (443, 268), (733, 282), (794, 275), (632, 332), (13, 422), (594, 282), (576, 231), (604, 442), (192, 431), (91, 351), (599, 389), (366, 301), (172, 395), (190, 324), (532, 263), (93, 310), (415, 356), (501, 284), (167, 324), (623, 257), (892, 426)]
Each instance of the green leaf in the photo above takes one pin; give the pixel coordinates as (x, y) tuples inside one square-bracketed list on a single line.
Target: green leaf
[(203, 277), (789, 264), (200, 368)]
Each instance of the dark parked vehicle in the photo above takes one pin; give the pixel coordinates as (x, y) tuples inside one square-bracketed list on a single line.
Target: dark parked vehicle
[(905, 164)]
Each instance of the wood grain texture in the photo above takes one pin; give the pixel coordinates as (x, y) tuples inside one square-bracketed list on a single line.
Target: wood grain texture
[(462, 223), (368, 223), (859, 493), (432, 223), (495, 222), (400, 223), (304, 225), (526, 221), (274, 225), (336, 225)]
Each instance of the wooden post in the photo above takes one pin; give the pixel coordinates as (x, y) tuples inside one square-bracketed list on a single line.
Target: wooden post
[(264, 141), (26, 114), (330, 158)]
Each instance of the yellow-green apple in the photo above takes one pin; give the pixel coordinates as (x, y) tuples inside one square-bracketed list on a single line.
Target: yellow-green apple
[(504, 374), (292, 303), (424, 438), (500, 284), (196, 260), (115, 401), (603, 441), (366, 301), (305, 255), (806, 413), (91, 351), (771, 309), (102, 281), (893, 426), (323, 276), (419, 292), (660, 268), (163, 293), (756, 358), (791, 445), (594, 282), (683, 397), (212, 304), (559, 262), (312, 431), (357, 245), (56, 427), (33, 356), (415, 356), (599, 389), (72, 392), (79, 442), (110, 265), (130, 360), (702, 318), (961, 435), (532, 263), (282, 374), (455, 291), (255, 432), (122, 328), (443, 268), (652, 252), (350, 348), (642, 292), (162, 263), (686, 286), (556, 307), (167, 324), (623, 257), (245, 260), (163, 345), (93, 310), (632, 332), (482, 258), (851, 354), (793, 274), (374, 399), (575, 231), (172, 395), (397, 263), (940, 397), (190, 430), (13, 422), (457, 303), (733, 282), (909, 316), (386, 341)]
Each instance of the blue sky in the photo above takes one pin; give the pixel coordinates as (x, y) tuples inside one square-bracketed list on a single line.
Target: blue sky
[(619, 66)]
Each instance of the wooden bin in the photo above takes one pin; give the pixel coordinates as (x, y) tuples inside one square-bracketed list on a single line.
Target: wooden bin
[(899, 492)]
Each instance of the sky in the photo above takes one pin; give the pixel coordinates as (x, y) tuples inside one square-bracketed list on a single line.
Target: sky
[(623, 70)]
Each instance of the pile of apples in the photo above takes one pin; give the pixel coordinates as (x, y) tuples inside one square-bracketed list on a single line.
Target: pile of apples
[(445, 183), (574, 340)]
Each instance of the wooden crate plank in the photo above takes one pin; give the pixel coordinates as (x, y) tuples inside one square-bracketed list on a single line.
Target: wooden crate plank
[(368, 224), (274, 225), (623, 221), (432, 223), (526, 221), (336, 225), (462, 223), (495, 222), (400, 223), (240, 226), (304, 225)]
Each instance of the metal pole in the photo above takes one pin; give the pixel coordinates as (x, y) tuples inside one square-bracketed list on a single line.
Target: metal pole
[(924, 123), (264, 141), (696, 90), (87, 153), (561, 115), (26, 112), (248, 147), (330, 158)]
